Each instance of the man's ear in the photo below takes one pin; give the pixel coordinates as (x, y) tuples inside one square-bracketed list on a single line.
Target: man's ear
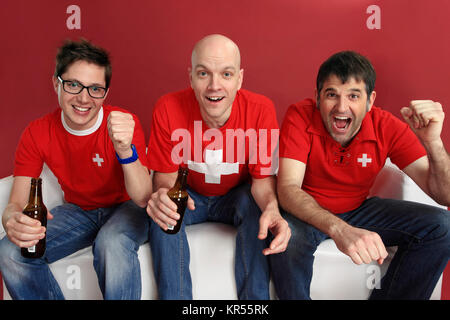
[(190, 75), (316, 94), (106, 94), (371, 100), (241, 78), (56, 84)]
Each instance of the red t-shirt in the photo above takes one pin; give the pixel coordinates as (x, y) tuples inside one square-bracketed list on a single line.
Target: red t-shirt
[(84, 162), (218, 159), (338, 178)]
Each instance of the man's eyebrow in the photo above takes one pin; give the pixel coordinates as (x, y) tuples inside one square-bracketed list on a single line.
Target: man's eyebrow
[(351, 89), (201, 66), (91, 85)]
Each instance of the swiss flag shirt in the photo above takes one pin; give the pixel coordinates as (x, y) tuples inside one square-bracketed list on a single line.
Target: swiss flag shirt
[(84, 162), (218, 159), (338, 178)]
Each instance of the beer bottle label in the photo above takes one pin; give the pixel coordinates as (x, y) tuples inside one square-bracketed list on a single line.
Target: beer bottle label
[(32, 249)]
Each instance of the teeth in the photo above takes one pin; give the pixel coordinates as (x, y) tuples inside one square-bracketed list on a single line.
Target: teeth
[(81, 109), (341, 118), (214, 98)]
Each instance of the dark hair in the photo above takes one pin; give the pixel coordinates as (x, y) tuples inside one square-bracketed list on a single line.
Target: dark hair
[(344, 65), (84, 50)]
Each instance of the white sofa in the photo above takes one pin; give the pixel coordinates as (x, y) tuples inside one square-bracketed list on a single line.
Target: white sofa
[(212, 254)]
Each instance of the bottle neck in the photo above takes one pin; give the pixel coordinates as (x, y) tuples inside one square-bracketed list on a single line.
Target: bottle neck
[(35, 192), (182, 179)]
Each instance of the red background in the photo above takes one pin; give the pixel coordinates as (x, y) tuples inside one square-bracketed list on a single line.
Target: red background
[(282, 44)]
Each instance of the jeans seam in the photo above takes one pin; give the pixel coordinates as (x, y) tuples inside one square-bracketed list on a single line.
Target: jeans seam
[(243, 255), (54, 236), (181, 266), (395, 273), (374, 228), (245, 266)]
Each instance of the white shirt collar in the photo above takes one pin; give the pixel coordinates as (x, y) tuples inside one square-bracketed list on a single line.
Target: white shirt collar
[(86, 131)]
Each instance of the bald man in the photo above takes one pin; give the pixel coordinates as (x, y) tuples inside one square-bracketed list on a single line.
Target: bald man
[(227, 137)]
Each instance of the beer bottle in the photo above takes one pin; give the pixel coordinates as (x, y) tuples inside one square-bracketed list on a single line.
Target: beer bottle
[(179, 195), (36, 209)]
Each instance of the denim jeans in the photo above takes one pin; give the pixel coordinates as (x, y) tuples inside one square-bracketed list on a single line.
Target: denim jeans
[(171, 252), (115, 234), (421, 232)]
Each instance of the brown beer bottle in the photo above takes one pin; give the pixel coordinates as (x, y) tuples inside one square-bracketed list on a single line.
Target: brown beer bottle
[(179, 195), (36, 209)]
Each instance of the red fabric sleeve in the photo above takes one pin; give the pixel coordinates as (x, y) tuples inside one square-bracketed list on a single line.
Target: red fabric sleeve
[(139, 141), (268, 136), (295, 142), (405, 147), (160, 145), (29, 158)]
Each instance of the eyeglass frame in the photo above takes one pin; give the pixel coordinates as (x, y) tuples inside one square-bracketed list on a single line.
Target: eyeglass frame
[(82, 88)]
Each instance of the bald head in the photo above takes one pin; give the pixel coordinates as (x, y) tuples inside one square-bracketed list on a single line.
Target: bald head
[(216, 77), (216, 46)]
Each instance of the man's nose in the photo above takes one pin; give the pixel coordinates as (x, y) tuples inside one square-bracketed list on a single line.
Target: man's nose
[(214, 83), (342, 104), (84, 96)]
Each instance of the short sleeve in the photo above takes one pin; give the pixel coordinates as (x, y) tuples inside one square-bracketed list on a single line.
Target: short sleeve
[(139, 141), (28, 158), (160, 145), (265, 163), (294, 139), (405, 147)]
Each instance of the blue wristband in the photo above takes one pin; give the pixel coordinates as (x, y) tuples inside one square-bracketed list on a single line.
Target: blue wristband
[(131, 159)]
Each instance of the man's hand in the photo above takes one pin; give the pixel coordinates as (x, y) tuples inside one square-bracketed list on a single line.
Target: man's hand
[(24, 231), (121, 130), (426, 118), (273, 221), (163, 210), (361, 245)]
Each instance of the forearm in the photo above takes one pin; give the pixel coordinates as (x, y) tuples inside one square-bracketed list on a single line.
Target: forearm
[(264, 193), (439, 172), (164, 180), (137, 182), (301, 205)]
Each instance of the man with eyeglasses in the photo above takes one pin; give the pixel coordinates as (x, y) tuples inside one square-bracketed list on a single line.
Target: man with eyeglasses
[(97, 152)]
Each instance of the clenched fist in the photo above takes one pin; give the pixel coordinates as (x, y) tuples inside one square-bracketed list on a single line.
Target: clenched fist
[(426, 118), (121, 129)]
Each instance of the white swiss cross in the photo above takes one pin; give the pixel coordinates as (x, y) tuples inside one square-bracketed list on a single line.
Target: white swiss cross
[(98, 160), (214, 167), (364, 160)]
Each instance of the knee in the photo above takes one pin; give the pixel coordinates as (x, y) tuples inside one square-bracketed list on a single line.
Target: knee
[(304, 237), (244, 198), (9, 253), (444, 223), (438, 225), (109, 243), (4, 251)]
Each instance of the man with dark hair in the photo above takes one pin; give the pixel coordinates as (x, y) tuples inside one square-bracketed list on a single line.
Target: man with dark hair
[(82, 50), (97, 152), (330, 154)]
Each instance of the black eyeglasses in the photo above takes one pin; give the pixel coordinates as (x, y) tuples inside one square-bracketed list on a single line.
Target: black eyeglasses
[(75, 87)]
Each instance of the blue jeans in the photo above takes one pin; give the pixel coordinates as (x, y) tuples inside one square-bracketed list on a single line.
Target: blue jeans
[(115, 234), (171, 252), (421, 232)]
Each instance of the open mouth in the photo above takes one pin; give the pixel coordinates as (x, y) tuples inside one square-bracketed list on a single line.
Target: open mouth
[(341, 123), (214, 99)]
